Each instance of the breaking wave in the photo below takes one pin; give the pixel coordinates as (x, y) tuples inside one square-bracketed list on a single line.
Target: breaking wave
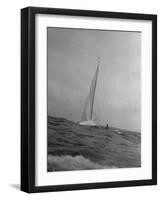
[(67, 162)]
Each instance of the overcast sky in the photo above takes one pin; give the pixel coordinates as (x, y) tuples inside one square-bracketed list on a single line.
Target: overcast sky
[(72, 62)]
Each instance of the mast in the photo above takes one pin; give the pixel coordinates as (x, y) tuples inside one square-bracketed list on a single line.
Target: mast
[(93, 89)]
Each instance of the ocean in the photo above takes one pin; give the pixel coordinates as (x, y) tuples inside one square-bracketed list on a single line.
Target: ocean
[(75, 147)]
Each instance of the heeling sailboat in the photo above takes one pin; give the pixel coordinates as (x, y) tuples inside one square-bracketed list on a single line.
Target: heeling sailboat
[(87, 116)]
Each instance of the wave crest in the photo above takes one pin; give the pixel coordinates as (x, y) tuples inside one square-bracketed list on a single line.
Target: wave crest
[(68, 162)]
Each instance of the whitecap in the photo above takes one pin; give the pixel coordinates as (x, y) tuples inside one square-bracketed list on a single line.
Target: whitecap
[(68, 162)]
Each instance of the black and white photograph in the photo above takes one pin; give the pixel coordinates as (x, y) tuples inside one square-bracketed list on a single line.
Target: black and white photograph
[(93, 99), (88, 99)]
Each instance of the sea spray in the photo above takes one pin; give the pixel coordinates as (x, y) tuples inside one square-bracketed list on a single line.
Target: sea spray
[(67, 162)]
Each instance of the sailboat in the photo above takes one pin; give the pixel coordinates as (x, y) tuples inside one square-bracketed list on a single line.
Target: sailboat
[(87, 116)]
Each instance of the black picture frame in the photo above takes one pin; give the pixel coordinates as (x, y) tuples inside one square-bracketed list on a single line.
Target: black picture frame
[(28, 98)]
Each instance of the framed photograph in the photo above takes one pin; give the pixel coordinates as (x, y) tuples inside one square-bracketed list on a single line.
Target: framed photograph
[(88, 99)]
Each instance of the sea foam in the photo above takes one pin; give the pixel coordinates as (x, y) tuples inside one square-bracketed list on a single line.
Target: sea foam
[(79, 162)]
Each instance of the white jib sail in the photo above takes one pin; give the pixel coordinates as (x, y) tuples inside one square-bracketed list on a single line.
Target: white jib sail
[(87, 116)]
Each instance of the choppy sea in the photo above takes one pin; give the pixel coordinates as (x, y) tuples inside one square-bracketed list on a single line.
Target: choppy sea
[(75, 147)]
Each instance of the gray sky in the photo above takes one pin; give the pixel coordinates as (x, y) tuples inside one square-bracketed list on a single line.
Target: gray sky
[(72, 61)]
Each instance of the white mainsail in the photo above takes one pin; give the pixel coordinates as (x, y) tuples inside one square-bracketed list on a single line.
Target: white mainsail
[(87, 116)]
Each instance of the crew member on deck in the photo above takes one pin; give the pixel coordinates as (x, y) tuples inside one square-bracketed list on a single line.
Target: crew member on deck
[(107, 126)]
